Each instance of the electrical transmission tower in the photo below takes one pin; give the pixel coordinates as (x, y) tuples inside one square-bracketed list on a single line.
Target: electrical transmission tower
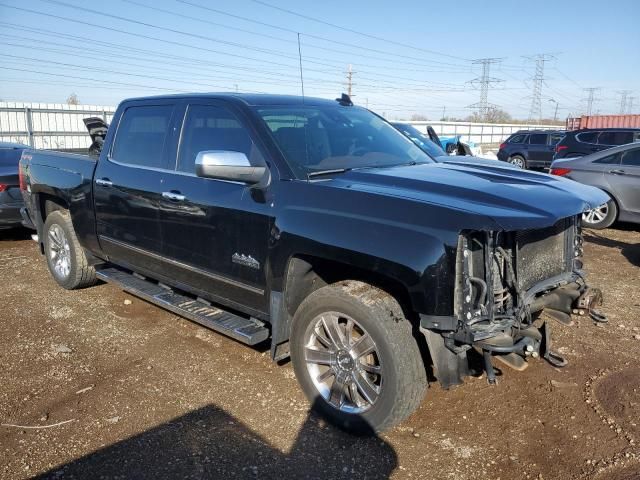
[(630, 104), (484, 81), (624, 99), (591, 98), (535, 112), (350, 83)]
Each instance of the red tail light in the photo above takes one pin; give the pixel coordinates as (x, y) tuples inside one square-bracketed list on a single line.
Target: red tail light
[(22, 180), (560, 171), (559, 148), (3, 187), (502, 145)]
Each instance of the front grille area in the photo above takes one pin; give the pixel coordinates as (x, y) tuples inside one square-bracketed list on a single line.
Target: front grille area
[(543, 253)]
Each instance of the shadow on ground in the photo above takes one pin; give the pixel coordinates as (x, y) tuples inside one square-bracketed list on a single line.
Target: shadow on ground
[(631, 251), (210, 443), (14, 234)]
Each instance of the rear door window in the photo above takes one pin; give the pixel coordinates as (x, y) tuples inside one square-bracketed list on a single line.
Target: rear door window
[(615, 138), (141, 136), (631, 158), (587, 137), (212, 127), (538, 139)]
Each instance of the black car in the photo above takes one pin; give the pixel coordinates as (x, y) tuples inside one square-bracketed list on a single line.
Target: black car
[(586, 141), (10, 196), (530, 148), (316, 226)]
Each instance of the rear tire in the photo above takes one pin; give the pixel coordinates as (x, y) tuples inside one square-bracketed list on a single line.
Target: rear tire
[(65, 257), (601, 217), (379, 385), (518, 161)]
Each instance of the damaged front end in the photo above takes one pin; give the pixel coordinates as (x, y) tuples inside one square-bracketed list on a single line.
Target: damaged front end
[(508, 286)]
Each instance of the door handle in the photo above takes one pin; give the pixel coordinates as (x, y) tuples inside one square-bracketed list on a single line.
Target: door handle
[(104, 182), (174, 196), (617, 172)]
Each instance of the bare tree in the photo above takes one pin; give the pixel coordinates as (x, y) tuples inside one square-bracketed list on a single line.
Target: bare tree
[(418, 118), (73, 99)]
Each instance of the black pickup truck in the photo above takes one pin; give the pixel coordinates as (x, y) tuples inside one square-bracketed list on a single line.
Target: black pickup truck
[(316, 226)]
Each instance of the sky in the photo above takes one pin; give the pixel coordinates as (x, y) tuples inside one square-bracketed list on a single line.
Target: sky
[(407, 58)]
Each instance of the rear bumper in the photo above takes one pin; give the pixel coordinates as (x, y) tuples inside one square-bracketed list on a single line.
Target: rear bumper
[(502, 155)]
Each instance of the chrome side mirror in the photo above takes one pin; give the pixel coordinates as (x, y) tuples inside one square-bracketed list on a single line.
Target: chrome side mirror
[(228, 165)]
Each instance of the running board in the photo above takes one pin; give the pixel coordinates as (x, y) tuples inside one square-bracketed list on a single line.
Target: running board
[(245, 330)]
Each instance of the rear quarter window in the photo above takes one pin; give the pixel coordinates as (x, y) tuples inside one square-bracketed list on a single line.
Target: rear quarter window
[(517, 139), (609, 159), (587, 137), (555, 138)]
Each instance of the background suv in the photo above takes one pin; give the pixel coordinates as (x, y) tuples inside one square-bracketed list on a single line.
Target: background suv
[(587, 141), (530, 148)]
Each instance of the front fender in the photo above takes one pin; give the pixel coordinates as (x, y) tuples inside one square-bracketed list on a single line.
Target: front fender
[(419, 258)]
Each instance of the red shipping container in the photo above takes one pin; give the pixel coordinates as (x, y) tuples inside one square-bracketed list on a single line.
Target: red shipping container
[(603, 121)]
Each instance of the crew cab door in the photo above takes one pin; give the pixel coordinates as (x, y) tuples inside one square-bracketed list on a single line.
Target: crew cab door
[(215, 232), (128, 184)]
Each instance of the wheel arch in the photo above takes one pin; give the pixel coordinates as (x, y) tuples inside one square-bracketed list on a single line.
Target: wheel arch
[(306, 273)]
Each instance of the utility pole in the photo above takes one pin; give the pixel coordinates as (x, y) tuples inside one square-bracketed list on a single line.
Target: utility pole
[(444, 112), (624, 95), (350, 83), (590, 100), (484, 81), (555, 112), (535, 111)]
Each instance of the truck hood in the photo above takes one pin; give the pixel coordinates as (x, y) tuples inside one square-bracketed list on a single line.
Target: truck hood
[(504, 197)]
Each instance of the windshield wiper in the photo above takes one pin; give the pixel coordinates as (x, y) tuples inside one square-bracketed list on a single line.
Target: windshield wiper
[(320, 173)]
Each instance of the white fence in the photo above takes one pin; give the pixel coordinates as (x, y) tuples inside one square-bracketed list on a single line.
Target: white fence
[(59, 126), (481, 133), (49, 125)]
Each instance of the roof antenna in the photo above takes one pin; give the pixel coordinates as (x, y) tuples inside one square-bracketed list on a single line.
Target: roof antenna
[(300, 60)]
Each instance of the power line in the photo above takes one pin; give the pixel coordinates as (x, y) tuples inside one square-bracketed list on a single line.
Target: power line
[(484, 81), (394, 55), (346, 29)]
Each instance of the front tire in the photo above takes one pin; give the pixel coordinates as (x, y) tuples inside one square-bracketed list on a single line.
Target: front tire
[(355, 357), (601, 217), (65, 257)]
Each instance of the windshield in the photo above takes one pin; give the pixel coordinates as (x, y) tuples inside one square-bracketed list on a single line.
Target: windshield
[(421, 139), (320, 138)]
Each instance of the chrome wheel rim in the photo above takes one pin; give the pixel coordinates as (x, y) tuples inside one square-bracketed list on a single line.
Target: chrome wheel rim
[(596, 215), (518, 162), (59, 251), (343, 362)]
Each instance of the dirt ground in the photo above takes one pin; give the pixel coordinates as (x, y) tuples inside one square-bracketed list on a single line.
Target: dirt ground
[(145, 394)]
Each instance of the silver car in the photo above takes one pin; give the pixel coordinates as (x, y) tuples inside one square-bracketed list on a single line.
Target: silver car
[(617, 172)]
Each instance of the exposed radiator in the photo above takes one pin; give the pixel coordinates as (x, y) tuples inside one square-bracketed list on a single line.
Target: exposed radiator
[(543, 253)]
